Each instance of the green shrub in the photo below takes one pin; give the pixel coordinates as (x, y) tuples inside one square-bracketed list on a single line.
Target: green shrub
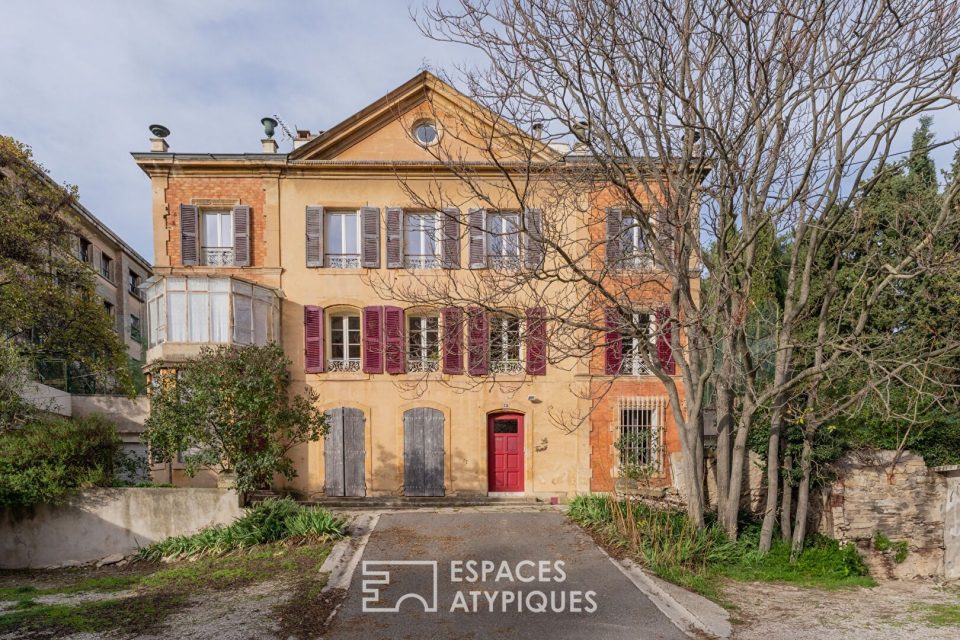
[(45, 460), (269, 521), (668, 544)]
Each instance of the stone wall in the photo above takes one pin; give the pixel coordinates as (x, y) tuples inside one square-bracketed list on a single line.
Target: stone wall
[(103, 522), (904, 501)]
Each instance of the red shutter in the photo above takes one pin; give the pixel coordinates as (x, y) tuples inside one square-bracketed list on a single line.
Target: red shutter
[(394, 238), (373, 339), (613, 346), (537, 341), (313, 339), (452, 319), (241, 235), (664, 341), (393, 339), (188, 234), (477, 351)]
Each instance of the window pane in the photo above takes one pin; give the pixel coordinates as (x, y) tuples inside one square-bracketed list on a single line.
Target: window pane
[(260, 313), (219, 317), (178, 316), (354, 323), (199, 317), (350, 230), (334, 233), (413, 235), (243, 319)]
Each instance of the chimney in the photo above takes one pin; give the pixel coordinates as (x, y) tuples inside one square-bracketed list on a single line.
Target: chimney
[(269, 145), (158, 143), (303, 137)]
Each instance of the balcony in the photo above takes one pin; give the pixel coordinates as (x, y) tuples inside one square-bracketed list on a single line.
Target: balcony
[(340, 364), (186, 313), (503, 263), (423, 365), (342, 260), (216, 256), (506, 366), (421, 262)]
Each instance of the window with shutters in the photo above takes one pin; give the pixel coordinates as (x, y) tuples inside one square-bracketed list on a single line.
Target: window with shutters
[(642, 329), (638, 431), (344, 354), (421, 247), (503, 240), (216, 238), (505, 344), (342, 239), (632, 243), (106, 266), (423, 343)]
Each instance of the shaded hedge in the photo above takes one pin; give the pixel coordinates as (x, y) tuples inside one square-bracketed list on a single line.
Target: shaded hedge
[(45, 460)]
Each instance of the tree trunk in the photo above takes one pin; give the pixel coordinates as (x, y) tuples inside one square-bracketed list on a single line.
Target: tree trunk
[(786, 507), (737, 459), (773, 479), (803, 495)]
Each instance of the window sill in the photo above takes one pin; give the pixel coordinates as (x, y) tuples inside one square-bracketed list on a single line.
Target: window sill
[(328, 271), (340, 375)]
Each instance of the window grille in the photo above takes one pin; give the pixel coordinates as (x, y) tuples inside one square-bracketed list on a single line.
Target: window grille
[(638, 434)]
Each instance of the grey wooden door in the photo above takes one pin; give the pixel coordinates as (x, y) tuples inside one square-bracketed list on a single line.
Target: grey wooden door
[(344, 453), (423, 452)]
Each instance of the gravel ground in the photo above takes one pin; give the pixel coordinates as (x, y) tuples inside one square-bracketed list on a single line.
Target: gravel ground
[(890, 611)]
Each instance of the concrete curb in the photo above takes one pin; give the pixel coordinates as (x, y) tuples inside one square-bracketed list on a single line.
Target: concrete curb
[(345, 555), (687, 610)]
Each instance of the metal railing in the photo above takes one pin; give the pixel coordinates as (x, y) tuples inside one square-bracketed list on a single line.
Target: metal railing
[(216, 256)]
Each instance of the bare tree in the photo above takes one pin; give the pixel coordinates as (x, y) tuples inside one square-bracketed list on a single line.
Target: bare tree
[(715, 123)]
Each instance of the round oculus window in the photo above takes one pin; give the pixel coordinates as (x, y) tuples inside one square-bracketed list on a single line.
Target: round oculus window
[(425, 132)]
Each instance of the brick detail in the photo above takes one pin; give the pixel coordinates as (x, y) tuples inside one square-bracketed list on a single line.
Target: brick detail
[(248, 191)]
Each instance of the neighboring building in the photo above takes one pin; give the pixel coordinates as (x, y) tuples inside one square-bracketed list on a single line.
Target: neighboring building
[(259, 247), (119, 271)]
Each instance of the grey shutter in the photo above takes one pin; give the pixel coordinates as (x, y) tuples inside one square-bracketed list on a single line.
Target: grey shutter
[(188, 234), (450, 241), (241, 235), (333, 453), (433, 452), (614, 224), (314, 225), (354, 458), (423, 452), (412, 453), (370, 237), (394, 238), (478, 238), (533, 249)]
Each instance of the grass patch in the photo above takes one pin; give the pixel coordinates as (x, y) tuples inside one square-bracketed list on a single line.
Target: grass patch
[(105, 584), (130, 615), (666, 543), (940, 615), (269, 521)]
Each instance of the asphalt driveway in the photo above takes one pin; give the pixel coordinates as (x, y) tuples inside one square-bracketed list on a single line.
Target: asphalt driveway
[(497, 574)]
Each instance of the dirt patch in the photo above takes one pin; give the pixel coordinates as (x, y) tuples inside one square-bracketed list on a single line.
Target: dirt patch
[(306, 614), (890, 611)]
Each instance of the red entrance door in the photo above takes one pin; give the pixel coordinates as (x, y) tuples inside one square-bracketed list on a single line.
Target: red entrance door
[(505, 452)]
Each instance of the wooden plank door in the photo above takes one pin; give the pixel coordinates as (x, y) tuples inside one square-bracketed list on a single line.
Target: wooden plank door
[(423, 452), (505, 453), (345, 453)]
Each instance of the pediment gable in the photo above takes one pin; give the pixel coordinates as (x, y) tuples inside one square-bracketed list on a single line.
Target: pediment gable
[(383, 131)]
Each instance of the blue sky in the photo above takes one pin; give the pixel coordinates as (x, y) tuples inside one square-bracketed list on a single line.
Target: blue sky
[(81, 81)]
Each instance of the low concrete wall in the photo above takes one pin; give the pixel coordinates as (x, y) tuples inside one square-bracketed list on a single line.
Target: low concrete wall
[(103, 522)]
